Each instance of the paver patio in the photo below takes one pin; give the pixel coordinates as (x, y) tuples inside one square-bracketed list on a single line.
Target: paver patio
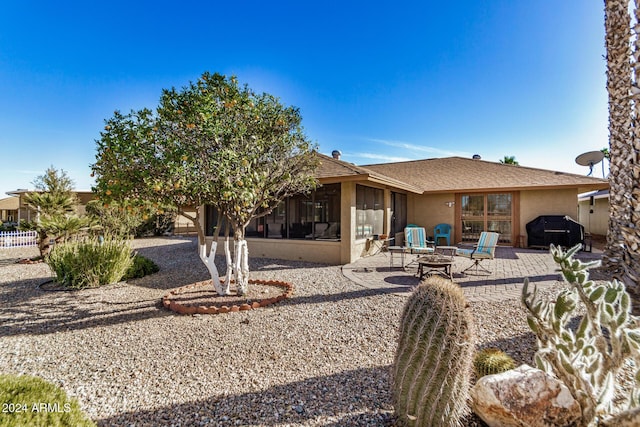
[(508, 271)]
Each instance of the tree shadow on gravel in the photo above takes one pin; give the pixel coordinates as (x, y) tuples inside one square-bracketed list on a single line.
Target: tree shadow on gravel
[(55, 312), (360, 397)]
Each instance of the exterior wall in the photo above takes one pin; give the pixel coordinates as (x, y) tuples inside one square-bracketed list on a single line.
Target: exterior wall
[(546, 202), (598, 221), (183, 225), (430, 210)]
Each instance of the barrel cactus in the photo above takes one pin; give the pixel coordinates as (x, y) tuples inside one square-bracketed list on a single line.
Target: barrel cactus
[(432, 367), (492, 361)]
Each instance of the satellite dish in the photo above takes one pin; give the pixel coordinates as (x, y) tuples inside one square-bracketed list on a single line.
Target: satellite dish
[(590, 158)]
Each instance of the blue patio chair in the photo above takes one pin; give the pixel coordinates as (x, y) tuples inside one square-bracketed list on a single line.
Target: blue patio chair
[(484, 249), (415, 239), (442, 231)]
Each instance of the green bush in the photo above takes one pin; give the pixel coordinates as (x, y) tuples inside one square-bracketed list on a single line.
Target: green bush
[(90, 263), (32, 401), (140, 267)]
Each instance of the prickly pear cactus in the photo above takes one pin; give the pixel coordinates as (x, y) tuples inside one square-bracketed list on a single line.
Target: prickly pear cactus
[(491, 361), (589, 357), (432, 366)]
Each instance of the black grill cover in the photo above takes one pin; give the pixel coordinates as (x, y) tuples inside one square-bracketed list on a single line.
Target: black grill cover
[(557, 229)]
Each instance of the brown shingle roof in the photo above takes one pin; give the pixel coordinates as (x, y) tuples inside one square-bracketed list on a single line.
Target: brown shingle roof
[(331, 169), (9, 203), (453, 174)]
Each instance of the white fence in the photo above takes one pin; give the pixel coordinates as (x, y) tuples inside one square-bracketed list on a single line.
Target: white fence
[(18, 239)]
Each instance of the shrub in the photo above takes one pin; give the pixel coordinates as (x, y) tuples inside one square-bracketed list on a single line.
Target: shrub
[(492, 361), (432, 366), (32, 401), (90, 263), (140, 267), (588, 358)]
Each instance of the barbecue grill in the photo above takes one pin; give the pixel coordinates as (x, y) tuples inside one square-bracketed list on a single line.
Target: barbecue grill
[(561, 230)]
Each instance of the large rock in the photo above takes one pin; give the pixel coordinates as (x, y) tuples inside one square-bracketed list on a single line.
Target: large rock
[(524, 396)]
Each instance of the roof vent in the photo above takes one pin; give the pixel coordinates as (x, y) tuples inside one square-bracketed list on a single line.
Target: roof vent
[(476, 157), (336, 154)]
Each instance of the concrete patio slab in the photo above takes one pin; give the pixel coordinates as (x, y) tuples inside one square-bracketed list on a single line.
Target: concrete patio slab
[(508, 269)]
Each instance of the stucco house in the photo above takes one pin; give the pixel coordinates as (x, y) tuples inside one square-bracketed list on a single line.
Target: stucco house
[(9, 209), (28, 214), (593, 211), (340, 221)]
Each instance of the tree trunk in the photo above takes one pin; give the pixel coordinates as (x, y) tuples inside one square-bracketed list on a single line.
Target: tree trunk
[(617, 39), (241, 262), (631, 232), (222, 288)]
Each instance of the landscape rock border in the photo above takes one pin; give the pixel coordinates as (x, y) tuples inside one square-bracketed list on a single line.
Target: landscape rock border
[(169, 303)]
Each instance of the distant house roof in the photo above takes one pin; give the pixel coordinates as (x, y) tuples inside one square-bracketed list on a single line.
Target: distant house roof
[(25, 191), (455, 174), (9, 203), (600, 194)]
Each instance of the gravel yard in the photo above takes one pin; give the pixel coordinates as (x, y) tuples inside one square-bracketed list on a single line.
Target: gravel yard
[(320, 358)]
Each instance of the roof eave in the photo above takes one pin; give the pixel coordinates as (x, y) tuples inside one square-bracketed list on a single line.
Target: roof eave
[(374, 179), (580, 188)]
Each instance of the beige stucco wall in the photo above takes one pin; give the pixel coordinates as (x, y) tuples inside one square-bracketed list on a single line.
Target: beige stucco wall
[(297, 250), (320, 251), (598, 221), (430, 210), (547, 202)]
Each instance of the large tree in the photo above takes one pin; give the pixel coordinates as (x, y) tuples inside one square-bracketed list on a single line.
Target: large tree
[(212, 142), (623, 70)]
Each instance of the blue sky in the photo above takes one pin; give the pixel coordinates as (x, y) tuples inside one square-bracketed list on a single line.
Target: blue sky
[(379, 81)]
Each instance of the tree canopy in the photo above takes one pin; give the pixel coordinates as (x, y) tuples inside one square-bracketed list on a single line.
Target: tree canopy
[(509, 160), (212, 142)]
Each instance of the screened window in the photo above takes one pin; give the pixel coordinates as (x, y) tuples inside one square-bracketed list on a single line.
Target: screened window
[(369, 211), (313, 216)]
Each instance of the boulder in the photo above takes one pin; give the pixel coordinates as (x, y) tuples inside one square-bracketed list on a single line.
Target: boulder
[(524, 396)]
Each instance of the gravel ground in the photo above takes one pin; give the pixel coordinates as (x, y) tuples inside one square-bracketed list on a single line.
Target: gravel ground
[(321, 358)]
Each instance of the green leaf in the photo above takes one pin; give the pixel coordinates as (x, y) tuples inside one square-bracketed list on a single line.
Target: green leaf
[(597, 293), (611, 295)]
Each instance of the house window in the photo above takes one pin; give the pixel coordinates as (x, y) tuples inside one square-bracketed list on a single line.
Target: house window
[(487, 212), (316, 216), (369, 211), (313, 216)]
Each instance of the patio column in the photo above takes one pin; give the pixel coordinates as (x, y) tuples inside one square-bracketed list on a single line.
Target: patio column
[(347, 222), (387, 212)]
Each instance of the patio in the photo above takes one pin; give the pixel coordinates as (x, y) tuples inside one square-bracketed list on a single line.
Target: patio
[(508, 271)]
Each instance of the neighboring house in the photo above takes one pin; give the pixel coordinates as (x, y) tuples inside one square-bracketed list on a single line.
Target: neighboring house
[(593, 211), (9, 209), (338, 222), (28, 214)]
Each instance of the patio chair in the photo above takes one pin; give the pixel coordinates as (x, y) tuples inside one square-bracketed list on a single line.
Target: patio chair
[(484, 249), (442, 231), (415, 239)]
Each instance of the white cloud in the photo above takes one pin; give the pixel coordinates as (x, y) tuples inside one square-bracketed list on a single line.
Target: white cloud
[(383, 157), (419, 148)]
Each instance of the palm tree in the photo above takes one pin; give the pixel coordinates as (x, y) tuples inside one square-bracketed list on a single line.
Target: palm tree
[(622, 247), (510, 160)]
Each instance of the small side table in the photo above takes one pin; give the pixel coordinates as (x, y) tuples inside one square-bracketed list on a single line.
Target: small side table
[(394, 250)]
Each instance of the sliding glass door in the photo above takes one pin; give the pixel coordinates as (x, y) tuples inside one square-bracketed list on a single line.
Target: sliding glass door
[(486, 212)]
